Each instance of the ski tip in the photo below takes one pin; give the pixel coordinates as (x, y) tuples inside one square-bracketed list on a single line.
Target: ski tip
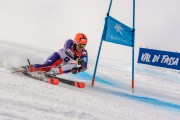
[(80, 84), (53, 81)]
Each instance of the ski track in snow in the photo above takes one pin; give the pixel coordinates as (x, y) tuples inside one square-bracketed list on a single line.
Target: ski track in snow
[(156, 94)]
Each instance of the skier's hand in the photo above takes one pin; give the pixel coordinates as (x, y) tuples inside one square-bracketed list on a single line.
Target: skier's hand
[(80, 61), (76, 70)]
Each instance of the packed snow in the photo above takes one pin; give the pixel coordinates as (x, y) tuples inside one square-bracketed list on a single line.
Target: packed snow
[(156, 97)]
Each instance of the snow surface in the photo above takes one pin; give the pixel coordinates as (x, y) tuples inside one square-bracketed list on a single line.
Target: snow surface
[(156, 97)]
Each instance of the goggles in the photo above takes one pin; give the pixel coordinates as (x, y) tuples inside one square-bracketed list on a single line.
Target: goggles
[(81, 45)]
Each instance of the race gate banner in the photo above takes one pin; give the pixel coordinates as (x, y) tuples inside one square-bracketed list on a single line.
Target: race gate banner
[(159, 58), (117, 32)]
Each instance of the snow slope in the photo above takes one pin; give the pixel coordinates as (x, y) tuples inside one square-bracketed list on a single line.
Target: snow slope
[(156, 97)]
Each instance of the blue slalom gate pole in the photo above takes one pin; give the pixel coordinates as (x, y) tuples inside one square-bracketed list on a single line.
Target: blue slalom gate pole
[(133, 46), (97, 59)]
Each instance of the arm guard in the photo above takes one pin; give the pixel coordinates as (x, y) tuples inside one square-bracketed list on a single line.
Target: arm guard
[(67, 47), (69, 53)]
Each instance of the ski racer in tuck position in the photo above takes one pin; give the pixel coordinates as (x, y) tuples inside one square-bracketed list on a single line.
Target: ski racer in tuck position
[(73, 57)]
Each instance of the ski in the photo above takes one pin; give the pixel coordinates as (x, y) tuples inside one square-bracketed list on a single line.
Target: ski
[(36, 76), (49, 78), (66, 81)]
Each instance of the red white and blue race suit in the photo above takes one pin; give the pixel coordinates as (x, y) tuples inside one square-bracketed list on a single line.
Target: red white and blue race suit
[(66, 56)]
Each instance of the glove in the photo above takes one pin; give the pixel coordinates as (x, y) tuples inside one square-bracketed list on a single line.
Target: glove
[(80, 61), (76, 70)]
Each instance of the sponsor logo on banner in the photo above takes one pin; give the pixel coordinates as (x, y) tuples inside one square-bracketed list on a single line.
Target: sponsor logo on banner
[(117, 32), (159, 58)]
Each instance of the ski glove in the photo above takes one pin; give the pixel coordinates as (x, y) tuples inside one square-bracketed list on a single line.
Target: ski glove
[(76, 70), (80, 61)]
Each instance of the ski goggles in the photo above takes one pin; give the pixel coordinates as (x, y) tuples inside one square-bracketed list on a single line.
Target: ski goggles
[(81, 45)]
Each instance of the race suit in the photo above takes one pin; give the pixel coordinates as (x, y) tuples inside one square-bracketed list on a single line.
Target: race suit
[(66, 57)]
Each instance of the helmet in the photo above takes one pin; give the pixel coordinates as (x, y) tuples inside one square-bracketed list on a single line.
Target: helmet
[(80, 38), (80, 41)]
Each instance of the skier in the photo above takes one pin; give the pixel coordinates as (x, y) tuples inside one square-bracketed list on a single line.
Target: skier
[(73, 57)]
